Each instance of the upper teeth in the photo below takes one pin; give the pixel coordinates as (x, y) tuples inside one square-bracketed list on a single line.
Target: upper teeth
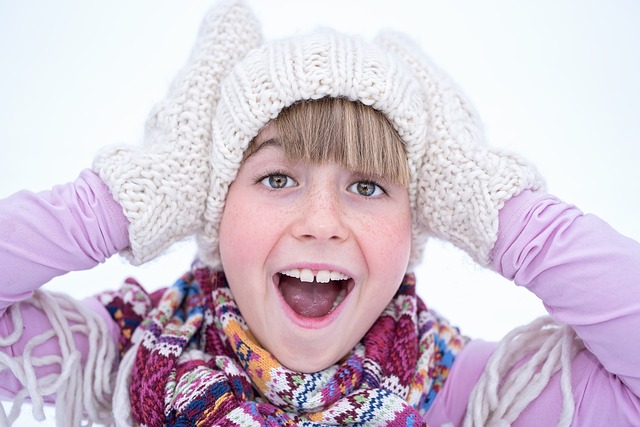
[(321, 276)]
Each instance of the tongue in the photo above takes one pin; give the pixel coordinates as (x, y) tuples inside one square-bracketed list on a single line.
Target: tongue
[(309, 299)]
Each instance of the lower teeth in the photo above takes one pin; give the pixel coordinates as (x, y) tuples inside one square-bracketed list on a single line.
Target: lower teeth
[(338, 300)]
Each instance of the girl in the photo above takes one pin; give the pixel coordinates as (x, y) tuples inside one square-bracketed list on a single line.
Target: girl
[(311, 170)]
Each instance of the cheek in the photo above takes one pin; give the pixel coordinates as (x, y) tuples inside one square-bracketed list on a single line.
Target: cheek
[(240, 251), (247, 232), (387, 257), (390, 239), (237, 232)]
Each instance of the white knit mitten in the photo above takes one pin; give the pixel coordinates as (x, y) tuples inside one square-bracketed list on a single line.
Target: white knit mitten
[(162, 186), (461, 182)]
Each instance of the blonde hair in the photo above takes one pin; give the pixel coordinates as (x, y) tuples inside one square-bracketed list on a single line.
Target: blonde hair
[(349, 133)]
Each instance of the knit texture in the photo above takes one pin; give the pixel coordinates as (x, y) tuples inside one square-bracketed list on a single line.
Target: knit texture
[(458, 184), (234, 85), (162, 186), (313, 66), (462, 183), (198, 364)]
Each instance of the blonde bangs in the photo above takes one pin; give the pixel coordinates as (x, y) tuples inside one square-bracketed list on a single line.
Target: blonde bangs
[(349, 133)]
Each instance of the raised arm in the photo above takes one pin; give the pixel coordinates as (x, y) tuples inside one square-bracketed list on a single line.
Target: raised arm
[(588, 276), (43, 235), (52, 344)]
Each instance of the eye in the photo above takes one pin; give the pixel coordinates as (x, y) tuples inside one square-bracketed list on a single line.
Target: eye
[(277, 180), (366, 188)]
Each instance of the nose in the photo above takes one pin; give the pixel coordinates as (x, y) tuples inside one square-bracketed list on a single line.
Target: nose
[(322, 215)]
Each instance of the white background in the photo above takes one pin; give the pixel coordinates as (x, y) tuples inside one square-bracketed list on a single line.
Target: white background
[(556, 81)]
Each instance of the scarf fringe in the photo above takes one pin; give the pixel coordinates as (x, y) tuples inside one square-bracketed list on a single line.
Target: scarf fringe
[(82, 393), (518, 371)]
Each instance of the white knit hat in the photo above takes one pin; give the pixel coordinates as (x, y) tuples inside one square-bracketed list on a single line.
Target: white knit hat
[(276, 75), (457, 183)]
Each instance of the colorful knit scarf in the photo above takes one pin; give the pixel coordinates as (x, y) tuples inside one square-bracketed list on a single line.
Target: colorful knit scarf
[(198, 363)]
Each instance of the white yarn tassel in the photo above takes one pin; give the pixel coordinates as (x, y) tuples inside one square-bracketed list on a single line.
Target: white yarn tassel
[(505, 389), (83, 393)]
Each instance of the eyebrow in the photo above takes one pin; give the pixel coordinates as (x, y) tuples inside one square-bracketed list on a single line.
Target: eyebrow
[(271, 142)]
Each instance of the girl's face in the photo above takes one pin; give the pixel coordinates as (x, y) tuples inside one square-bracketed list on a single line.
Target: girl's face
[(312, 253)]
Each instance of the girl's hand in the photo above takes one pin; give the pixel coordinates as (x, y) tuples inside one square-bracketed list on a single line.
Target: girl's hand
[(461, 182), (162, 186)]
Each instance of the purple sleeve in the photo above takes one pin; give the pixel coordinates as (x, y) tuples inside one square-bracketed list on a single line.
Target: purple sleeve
[(587, 275), (43, 235)]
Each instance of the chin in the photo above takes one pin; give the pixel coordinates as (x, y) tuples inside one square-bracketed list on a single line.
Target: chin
[(306, 362)]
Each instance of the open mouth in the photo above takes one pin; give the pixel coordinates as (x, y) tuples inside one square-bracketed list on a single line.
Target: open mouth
[(313, 293)]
